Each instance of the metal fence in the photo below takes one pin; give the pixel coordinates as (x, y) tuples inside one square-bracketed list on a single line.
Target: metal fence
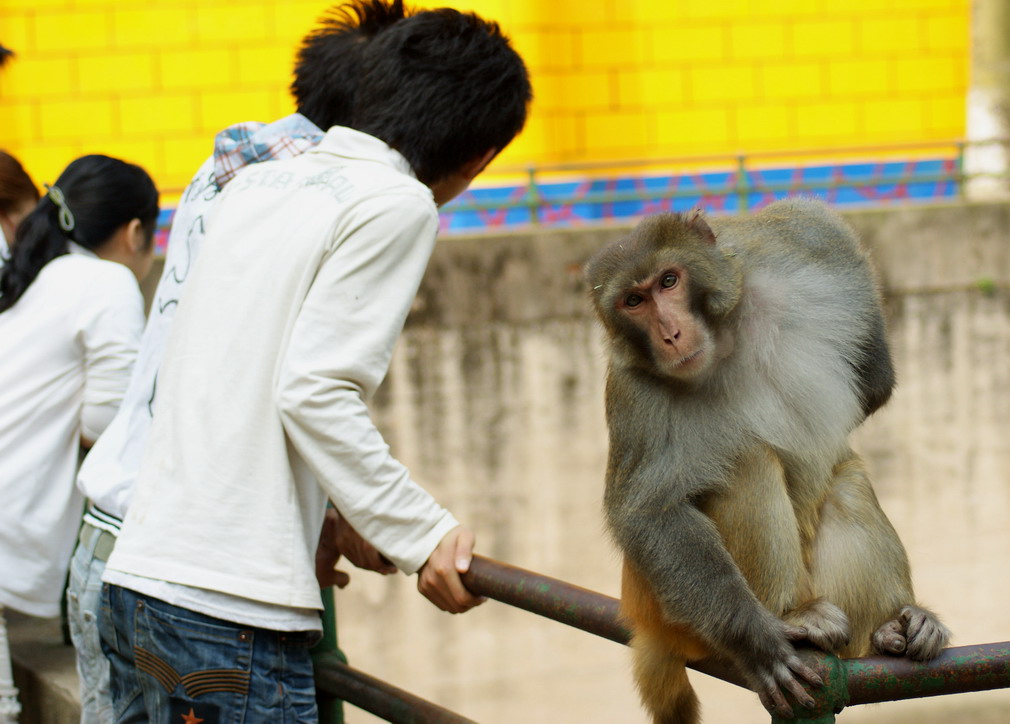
[(585, 193), (847, 682), (566, 194)]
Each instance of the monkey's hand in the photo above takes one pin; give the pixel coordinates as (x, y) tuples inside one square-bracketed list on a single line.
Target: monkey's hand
[(773, 672)]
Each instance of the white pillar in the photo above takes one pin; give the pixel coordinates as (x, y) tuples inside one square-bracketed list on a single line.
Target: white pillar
[(989, 99)]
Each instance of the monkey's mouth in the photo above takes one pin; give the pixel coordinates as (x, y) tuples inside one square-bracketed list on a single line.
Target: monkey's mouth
[(685, 361)]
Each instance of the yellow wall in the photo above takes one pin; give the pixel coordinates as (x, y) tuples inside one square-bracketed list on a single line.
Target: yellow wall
[(653, 78), (153, 80)]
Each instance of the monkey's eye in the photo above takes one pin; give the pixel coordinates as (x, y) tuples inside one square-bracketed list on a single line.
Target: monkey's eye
[(669, 280), (633, 300)]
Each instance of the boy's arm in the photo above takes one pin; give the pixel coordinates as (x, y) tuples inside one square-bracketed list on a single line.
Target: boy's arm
[(339, 351), (337, 539)]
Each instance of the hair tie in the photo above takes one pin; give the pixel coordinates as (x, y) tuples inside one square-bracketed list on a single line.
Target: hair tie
[(66, 218)]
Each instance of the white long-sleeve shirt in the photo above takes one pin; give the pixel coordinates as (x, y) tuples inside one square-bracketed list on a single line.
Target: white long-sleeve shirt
[(109, 472), (287, 325), (66, 349)]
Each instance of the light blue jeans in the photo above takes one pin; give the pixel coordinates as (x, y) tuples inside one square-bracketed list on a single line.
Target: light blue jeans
[(170, 664), (84, 597)]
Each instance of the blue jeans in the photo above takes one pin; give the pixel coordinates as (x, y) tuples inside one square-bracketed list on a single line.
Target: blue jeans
[(170, 664), (84, 598)]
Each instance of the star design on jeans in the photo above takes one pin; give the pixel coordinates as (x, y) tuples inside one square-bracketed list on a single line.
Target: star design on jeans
[(191, 718)]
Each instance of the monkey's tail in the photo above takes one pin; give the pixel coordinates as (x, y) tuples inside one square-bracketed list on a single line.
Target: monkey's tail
[(663, 683)]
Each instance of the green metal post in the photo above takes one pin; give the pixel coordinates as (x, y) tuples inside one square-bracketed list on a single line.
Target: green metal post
[(742, 186), (331, 710), (959, 170), (534, 196), (830, 698)]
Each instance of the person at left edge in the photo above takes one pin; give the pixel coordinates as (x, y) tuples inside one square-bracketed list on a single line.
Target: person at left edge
[(71, 316)]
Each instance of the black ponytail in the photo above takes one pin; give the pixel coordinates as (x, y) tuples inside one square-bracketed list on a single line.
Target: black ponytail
[(92, 198)]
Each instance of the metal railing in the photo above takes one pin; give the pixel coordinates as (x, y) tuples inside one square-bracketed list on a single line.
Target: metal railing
[(732, 182), (555, 194), (847, 682)]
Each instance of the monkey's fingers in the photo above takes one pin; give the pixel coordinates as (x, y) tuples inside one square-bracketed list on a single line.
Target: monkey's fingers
[(794, 687), (890, 638), (924, 632), (773, 700), (806, 673), (772, 696), (796, 633)]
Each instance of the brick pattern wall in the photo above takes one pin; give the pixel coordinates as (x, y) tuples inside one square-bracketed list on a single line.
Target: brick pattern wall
[(153, 81), (147, 81), (677, 77)]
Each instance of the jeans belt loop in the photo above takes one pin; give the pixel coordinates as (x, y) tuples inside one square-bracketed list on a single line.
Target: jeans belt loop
[(104, 541)]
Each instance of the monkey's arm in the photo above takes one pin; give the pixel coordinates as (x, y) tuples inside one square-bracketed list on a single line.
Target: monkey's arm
[(678, 550)]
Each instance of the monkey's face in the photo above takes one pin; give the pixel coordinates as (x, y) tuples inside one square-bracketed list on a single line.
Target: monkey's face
[(664, 293), (660, 314)]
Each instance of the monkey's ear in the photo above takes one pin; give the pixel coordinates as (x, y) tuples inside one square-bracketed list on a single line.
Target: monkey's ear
[(696, 221)]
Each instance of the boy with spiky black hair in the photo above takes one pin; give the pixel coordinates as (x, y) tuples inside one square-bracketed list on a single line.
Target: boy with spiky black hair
[(325, 80), (288, 323)]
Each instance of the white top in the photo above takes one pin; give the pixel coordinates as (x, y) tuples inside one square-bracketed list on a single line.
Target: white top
[(288, 323), (108, 473), (111, 468), (66, 349)]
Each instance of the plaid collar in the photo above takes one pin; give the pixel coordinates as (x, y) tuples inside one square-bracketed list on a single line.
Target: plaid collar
[(246, 143)]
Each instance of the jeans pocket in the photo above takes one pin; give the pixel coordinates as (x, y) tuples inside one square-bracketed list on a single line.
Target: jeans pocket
[(192, 661)]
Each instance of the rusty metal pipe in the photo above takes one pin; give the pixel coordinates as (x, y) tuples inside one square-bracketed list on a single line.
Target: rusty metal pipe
[(337, 679), (568, 604), (957, 670), (549, 597), (862, 681), (869, 680)]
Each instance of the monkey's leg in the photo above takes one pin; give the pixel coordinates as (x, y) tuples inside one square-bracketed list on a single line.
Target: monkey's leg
[(660, 651), (757, 522), (858, 562)]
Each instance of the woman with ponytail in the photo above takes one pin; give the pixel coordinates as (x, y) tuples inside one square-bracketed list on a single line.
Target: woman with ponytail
[(71, 316)]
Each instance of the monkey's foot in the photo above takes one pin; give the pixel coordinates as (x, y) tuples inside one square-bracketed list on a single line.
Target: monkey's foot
[(917, 633), (827, 626)]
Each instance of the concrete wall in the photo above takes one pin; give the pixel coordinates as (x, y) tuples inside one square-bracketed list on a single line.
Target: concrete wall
[(494, 400)]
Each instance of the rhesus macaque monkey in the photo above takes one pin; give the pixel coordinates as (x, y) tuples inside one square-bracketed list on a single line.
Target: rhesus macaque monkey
[(742, 355)]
